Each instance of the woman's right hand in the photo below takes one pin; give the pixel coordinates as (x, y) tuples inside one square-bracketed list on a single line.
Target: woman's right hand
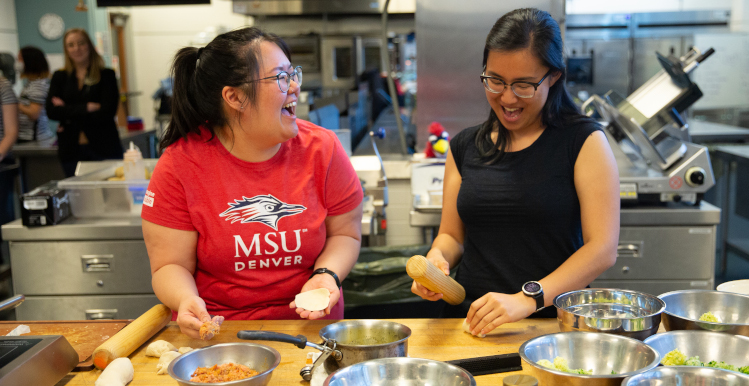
[(92, 106), (191, 315), (435, 257)]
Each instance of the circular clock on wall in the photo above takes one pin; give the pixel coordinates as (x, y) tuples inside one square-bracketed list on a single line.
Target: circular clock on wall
[(51, 26)]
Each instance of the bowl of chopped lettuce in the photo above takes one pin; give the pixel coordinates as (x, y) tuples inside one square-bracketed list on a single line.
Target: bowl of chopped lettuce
[(586, 358), (679, 376), (706, 310), (702, 349)]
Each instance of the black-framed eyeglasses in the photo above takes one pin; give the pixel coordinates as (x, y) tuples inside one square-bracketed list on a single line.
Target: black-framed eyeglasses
[(521, 88), (284, 79)]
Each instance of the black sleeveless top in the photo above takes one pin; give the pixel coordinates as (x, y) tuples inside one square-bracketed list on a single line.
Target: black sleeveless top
[(521, 214)]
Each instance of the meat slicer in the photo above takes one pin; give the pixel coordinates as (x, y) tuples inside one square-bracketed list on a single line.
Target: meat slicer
[(646, 130)]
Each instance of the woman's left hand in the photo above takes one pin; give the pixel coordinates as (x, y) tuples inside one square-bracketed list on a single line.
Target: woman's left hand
[(57, 102), (319, 281), (494, 309)]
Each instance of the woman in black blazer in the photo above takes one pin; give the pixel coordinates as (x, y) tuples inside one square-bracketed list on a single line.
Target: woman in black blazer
[(84, 97)]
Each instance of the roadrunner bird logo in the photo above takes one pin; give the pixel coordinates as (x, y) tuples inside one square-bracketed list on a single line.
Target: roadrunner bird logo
[(264, 209)]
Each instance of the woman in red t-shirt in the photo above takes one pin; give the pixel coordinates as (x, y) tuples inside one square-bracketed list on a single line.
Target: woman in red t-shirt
[(248, 206)]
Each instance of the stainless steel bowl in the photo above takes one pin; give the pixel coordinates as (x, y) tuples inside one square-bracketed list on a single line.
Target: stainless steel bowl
[(602, 353), (614, 311), (687, 375), (260, 358), (684, 308), (709, 346), (400, 372)]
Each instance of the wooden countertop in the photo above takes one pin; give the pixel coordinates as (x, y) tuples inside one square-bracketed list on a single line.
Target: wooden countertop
[(439, 339)]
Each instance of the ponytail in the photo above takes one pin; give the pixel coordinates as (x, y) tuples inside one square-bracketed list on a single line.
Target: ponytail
[(200, 75)]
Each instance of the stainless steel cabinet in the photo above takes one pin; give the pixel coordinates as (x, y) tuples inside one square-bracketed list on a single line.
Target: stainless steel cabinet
[(81, 269), (70, 267), (85, 307)]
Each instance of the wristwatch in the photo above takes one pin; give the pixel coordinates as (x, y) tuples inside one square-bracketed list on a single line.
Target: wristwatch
[(533, 289), (329, 272)]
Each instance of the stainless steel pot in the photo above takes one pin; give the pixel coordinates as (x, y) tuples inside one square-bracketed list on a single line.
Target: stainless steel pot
[(348, 342)]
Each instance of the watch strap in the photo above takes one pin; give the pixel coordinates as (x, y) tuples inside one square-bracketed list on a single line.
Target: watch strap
[(329, 272)]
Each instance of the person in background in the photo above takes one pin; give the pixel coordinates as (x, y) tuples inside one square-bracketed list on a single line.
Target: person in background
[(84, 97), (248, 205), (8, 135), (32, 120), (531, 196)]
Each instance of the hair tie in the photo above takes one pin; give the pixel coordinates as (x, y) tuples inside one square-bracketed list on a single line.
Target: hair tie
[(197, 62)]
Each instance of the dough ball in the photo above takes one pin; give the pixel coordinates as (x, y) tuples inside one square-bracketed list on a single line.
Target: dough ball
[(165, 360), (185, 350), (467, 328), (117, 373), (158, 348), (314, 300)]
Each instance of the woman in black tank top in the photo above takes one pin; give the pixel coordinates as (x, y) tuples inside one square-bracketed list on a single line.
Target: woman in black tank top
[(531, 196)]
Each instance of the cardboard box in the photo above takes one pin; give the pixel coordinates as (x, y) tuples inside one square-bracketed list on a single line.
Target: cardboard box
[(45, 205)]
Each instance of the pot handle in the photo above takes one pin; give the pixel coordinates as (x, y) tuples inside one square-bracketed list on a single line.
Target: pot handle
[(299, 340)]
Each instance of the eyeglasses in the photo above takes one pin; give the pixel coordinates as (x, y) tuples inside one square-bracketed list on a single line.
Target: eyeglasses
[(284, 79), (521, 88)]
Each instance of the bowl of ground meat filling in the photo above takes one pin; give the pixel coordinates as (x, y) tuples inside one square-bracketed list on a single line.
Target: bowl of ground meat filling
[(235, 364)]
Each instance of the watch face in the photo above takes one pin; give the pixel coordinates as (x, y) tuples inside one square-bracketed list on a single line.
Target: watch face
[(532, 287)]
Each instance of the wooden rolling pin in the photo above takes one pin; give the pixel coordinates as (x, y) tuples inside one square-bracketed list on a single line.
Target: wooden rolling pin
[(431, 277), (132, 336)]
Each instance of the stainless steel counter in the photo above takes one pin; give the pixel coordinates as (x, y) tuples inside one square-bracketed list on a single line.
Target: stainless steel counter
[(126, 228), (704, 132)]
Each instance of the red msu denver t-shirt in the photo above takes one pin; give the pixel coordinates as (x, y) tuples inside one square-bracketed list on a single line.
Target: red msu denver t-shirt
[(261, 226)]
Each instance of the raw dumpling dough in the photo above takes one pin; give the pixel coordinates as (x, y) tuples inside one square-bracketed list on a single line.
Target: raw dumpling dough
[(184, 350), (165, 360), (315, 300), (159, 347), (117, 373)]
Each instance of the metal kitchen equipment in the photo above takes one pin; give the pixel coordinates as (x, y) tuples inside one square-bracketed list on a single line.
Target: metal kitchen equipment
[(262, 359), (35, 360), (601, 353), (621, 312), (649, 137), (401, 371), (709, 346), (347, 342), (684, 308), (687, 375)]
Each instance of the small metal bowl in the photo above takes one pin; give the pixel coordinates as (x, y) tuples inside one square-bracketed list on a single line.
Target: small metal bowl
[(687, 375), (401, 372), (684, 308), (621, 312), (260, 358), (602, 353), (709, 346)]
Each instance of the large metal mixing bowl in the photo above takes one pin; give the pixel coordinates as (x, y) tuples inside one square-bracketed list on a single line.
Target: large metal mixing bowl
[(260, 358), (599, 352), (709, 346), (614, 311), (684, 308), (687, 375), (401, 372)]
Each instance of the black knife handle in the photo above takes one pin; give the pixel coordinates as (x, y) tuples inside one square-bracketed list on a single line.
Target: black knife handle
[(490, 365), (299, 340)]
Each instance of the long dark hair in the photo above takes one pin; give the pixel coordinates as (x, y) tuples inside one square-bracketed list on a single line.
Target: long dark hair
[(35, 65), (538, 31), (200, 75)]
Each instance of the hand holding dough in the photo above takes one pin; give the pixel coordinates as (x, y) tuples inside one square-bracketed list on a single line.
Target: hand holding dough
[(159, 347), (467, 328), (118, 373), (165, 360), (314, 300)]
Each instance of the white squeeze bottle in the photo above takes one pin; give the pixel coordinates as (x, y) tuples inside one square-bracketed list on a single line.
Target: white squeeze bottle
[(134, 167)]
